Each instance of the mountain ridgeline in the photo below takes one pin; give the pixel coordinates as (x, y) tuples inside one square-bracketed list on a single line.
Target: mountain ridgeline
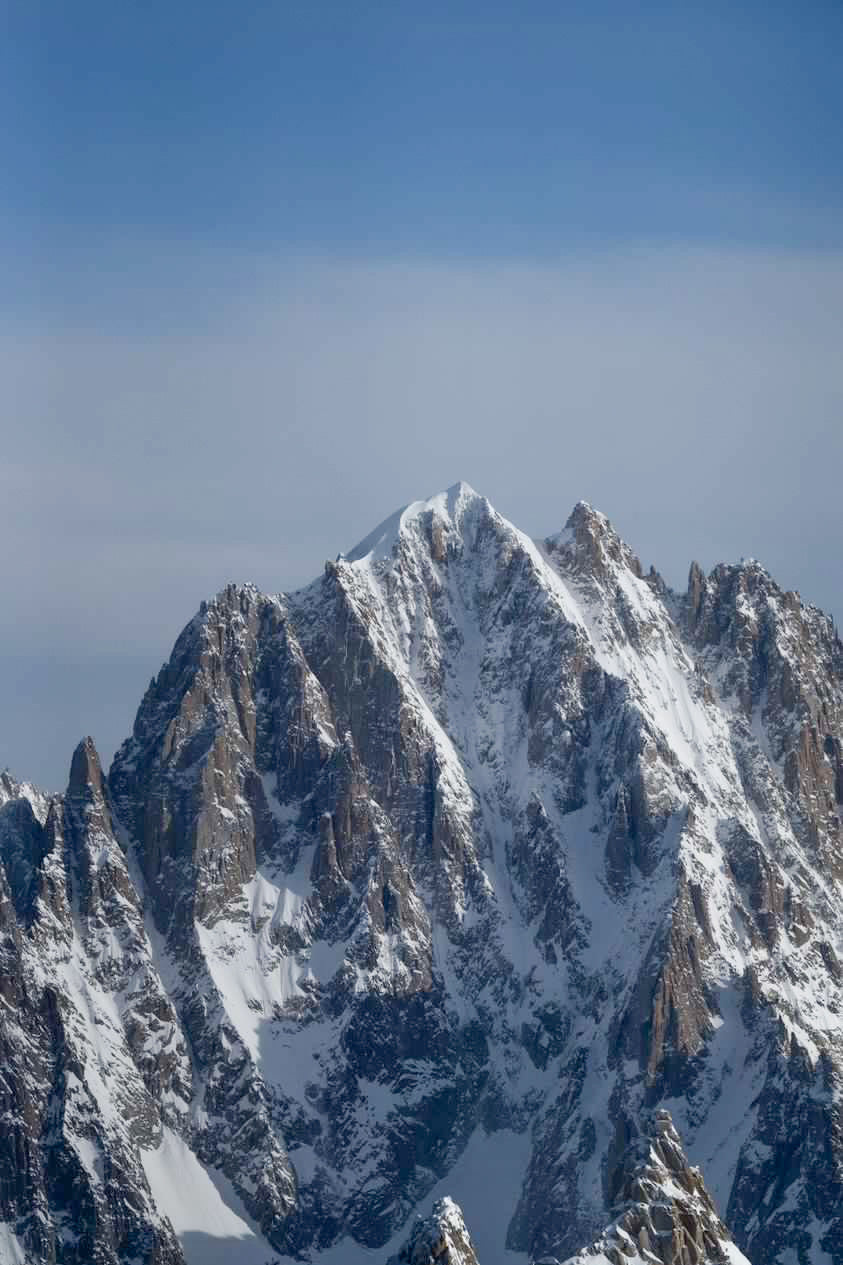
[(434, 912)]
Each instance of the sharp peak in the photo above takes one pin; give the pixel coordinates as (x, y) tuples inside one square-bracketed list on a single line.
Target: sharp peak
[(461, 488), (449, 505), (585, 515), (86, 750), (585, 507), (85, 768), (441, 1235), (12, 787), (591, 543), (449, 501), (8, 779)]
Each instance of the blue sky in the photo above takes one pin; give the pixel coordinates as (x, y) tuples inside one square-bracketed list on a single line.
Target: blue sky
[(457, 128), (272, 270)]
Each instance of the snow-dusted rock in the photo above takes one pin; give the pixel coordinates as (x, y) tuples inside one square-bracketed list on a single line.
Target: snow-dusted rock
[(438, 1239), (665, 1215), (88, 1037)]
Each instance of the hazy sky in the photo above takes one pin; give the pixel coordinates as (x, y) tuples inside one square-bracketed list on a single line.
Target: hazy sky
[(272, 270)]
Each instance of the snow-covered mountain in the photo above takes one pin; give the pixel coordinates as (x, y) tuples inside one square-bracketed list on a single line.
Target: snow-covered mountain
[(431, 882)]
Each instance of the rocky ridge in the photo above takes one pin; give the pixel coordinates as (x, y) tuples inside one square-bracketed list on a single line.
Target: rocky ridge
[(665, 1215), (437, 877)]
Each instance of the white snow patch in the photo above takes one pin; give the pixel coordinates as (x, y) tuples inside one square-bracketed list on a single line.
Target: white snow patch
[(11, 1248), (91, 1157), (202, 1207)]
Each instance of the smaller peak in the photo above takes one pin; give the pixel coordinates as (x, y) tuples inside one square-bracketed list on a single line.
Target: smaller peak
[(441, 1238), (9, 786), (748, 576), (589, 543), (12, 789), (234, 594), (584, 514), (585, 523), (695, 593), (744, 569), (232, 599), (85, 770), (659, 1199)]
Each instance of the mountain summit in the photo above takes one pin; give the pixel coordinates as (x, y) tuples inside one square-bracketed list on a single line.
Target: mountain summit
[(422, 892)]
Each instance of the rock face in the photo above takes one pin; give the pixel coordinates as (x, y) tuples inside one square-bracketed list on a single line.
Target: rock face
[(440, 1239), (440, 875), (84, 1016), (665, 1213)]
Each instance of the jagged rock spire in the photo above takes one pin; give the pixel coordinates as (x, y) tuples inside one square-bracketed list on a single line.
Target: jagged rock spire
[(438, 1239), (86, 775), (590, 544), (665, 1215)]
